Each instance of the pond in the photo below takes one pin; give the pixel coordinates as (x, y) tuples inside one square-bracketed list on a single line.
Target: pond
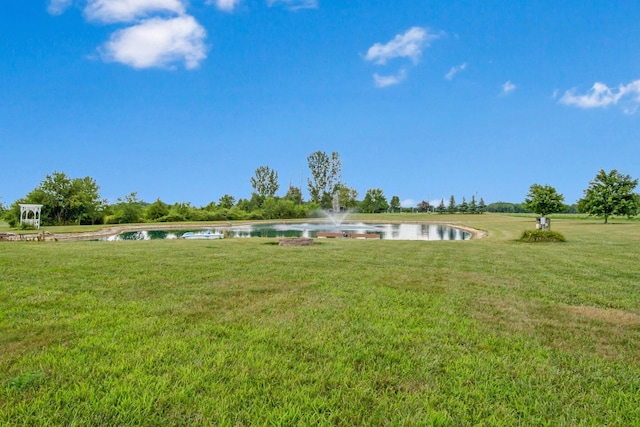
[(403, 231)]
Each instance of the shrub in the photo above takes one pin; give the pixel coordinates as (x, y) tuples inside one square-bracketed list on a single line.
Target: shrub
[(542, 236), (172, 217)]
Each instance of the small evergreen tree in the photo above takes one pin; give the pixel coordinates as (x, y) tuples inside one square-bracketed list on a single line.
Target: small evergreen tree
[(464, 206), (452, 205), (482, 207), (473, 206)]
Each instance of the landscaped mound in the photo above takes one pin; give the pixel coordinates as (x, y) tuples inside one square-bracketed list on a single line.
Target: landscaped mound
[(542, 236)]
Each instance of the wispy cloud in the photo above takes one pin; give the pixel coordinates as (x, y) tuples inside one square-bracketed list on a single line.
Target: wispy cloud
[(224, 5), (112, 11), (57, 7), (602, 96), (508, 87), (407, 45), (384, 81), (158, 43), (455, 70), (294, 4)]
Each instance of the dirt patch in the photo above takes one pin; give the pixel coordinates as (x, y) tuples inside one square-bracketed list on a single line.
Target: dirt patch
[(609, 315)]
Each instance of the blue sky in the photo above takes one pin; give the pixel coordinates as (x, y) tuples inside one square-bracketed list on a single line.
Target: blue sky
[(183, 100)]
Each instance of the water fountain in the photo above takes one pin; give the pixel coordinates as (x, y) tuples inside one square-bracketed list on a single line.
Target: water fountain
[(334, 224)]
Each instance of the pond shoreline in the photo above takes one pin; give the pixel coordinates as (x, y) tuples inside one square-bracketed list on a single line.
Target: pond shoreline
[(117, 229)]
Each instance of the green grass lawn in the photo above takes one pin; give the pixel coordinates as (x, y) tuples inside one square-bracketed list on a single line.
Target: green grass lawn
[(244, 332)]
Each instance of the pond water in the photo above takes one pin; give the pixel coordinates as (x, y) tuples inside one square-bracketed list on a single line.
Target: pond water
[(385, 231)]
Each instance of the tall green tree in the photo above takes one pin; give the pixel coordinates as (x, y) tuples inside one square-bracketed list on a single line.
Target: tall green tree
[(64, 200), (226, 202), (85, 203), (473, 205), (544, 200), (348, 196), (375, 201), (464, 206), (55, 193), (441, 207), (395, 204), (482, 207), (294, 194), (128, 210), (452, 205), (326, 175), (610, 194), (265, 181), (156, 210)]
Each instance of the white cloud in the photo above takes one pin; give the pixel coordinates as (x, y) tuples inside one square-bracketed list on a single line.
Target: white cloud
[(158, 43), (601, 96), (57, 7), (224, 5), (294, 4), (384, 81), (508, 87), (455, 70), (130, 10), (407, 45), (408, 203)]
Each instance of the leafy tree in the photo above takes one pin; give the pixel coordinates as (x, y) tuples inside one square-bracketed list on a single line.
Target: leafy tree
[(256, 202), (265, 181), (326, 174), (127, 210), (610, 194), (424, 206), (544, 200), (375, 201), (227, 201), (64, 200), (294, 194), (84, 201), (55, 196), (395, 204), (348, 196), (452, 205)]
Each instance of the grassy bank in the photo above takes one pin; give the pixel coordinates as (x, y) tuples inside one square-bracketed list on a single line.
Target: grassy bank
[(244, 332)]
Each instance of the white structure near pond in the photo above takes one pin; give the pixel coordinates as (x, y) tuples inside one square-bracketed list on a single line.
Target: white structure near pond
[(30, 214)]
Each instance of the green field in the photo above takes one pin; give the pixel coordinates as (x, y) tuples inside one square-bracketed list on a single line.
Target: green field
[(351, 333)]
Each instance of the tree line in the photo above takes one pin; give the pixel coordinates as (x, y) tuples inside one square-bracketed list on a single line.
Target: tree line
[(69, 200), (608, 194)]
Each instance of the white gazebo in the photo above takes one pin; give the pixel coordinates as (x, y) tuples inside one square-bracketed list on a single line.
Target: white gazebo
[(30, 214)]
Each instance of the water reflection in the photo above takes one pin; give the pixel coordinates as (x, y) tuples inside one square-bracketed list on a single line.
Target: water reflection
[(385, 231)]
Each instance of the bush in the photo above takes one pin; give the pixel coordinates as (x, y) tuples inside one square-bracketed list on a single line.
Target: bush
[(542, 236), (172, 217)]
